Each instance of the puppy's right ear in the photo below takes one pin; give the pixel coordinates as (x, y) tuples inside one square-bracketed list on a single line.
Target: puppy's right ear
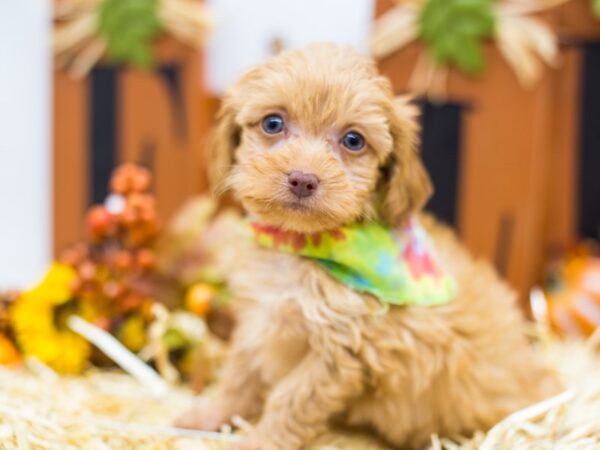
[(405, 187), (224, 140)]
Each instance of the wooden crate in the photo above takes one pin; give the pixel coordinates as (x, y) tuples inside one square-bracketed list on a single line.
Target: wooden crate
[(158, 118), (518, 164)]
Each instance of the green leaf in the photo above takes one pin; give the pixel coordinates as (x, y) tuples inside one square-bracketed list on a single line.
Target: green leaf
[(454, 31), (470, 57), (129, 28), (175, 339), (596, 8), (433, 20)]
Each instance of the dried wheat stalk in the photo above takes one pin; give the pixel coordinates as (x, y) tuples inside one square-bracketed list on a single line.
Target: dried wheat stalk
[(526, 42), (77, 46)]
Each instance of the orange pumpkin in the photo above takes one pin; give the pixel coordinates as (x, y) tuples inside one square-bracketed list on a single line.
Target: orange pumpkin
[(574, 308)]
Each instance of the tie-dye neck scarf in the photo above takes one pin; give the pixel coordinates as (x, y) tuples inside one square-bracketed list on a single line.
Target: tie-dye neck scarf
[(398, 267)]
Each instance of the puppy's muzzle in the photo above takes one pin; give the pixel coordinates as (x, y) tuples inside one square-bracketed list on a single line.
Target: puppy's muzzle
[(302, 184)]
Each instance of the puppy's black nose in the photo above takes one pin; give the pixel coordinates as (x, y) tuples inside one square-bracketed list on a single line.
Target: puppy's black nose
[(302, 184)]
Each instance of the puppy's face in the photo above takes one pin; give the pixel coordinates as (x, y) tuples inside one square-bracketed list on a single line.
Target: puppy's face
[(311, 140)]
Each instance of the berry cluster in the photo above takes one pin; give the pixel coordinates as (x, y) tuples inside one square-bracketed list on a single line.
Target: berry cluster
[(116, 266)]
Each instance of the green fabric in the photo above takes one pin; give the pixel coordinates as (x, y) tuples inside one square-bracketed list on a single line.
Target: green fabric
[(396, 266)]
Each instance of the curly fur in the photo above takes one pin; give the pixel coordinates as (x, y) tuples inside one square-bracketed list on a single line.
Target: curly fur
[(310, 351)]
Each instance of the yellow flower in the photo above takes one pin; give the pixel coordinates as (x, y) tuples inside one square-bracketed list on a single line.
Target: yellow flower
[(38, 317), (132, 333)]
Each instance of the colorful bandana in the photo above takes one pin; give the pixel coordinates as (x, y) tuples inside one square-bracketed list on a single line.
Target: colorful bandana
[(398, 267)]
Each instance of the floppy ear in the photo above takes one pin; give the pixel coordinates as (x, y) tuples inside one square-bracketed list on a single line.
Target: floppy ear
[(405, 186), (224, 140)]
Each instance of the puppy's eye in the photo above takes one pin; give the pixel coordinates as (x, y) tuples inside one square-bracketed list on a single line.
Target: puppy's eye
[(273, 124), (353, 141)]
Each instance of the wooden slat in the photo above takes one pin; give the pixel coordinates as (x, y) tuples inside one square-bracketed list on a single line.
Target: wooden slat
[(70, 158), (561, 201), (153, 126)]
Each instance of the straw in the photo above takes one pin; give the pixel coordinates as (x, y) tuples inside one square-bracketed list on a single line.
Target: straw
[(104, 410)]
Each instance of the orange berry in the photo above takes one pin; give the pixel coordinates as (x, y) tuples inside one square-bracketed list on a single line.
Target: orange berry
[(112, 289), (74, 255), (122, 261), (145, 259), (141, 180), (131, 301), (102, 322), (128, 178), (8, 352), (140, 209), (87, 271), (100, 222), (199, 298)]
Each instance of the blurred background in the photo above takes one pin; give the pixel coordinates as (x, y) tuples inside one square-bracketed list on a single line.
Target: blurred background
[(509, 92)]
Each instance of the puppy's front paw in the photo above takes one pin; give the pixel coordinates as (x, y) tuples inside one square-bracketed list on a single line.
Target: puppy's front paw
[(207, 416)]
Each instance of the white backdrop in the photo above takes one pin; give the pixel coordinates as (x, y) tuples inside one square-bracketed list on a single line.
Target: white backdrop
[(25, 142), (246, 29)]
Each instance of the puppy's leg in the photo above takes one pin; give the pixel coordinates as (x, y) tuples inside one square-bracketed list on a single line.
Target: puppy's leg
[(300, 406), (237, 392)]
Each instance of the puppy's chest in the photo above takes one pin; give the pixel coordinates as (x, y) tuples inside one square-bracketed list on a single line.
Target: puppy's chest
[(275, 284), (283, 339), (271, 278)]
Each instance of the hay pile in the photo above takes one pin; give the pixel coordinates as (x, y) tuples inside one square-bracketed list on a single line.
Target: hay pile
[(569, 421), (102, 410), (109, 410)]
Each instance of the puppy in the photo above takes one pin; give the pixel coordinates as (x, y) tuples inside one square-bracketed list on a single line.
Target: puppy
[(309, 141)]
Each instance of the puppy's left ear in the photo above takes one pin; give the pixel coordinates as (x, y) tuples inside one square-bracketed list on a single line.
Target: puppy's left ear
[(405, 186)]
